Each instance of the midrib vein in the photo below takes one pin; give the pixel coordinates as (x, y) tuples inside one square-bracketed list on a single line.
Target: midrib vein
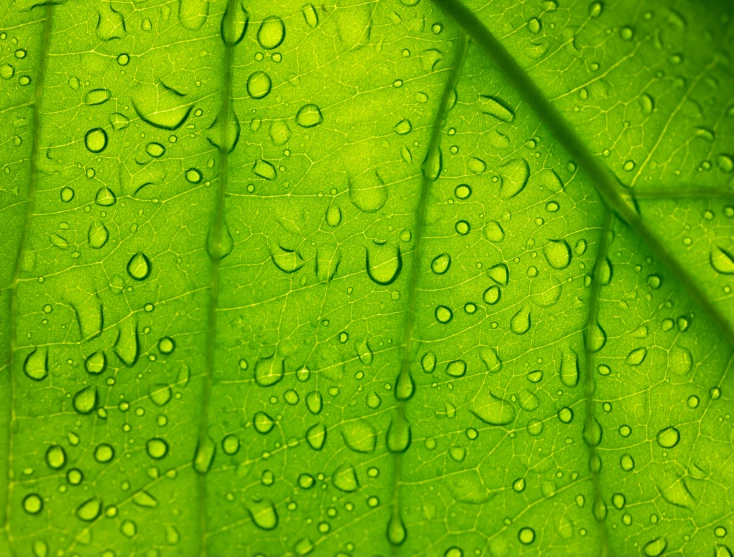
[(589, 388), (216, 243), (416, 260), (13, 287), (562, 131)]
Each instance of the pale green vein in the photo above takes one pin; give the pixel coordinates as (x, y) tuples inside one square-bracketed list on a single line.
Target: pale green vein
[(695, 192), (214, 247), (13, 288), (429, 176), (590, 340), (600, 176)]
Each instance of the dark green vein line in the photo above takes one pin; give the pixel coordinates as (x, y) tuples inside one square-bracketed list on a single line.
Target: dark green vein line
[(432, 159), (589, 385), (13, 287), (215, 251), (600, 176)]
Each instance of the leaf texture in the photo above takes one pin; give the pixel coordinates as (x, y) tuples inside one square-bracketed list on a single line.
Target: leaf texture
[(367, 278)]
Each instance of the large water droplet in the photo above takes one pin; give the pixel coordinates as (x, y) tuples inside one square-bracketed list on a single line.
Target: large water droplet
[(493, 410), (359, 435), (97, 234), (500, 274), (97, 96), (139, 266), (399, 436), (234, 23), (259, 85), (316, 436), (36, 365), (521, 322), (263, 514), (722, 261), (668, 437), (206, 449), (514, 175), (85, 401), (383, 263), (271, 33), (95, 140), (89, 510), (308, 116), (494, 232), (269, 371), (396, 531), (345, 478), (557, 253)]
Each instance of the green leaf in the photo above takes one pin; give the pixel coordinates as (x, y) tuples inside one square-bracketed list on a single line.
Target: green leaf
[(366, 278)]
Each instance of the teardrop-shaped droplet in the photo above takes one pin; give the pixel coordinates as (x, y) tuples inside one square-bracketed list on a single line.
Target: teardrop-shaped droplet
[(514, 177), (89, 510), (316, 436), (494, 232), (105, 197), (499, 274), (219, 243), (521, 322), (441, 263), (345, 478), (85, 401), (36, 365), (404, 386), (493, 410), (139, 266), (396, 531), (722, 261)]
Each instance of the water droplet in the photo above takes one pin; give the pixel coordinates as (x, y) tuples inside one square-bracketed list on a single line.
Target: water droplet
[(97, 96), (668, 437), (462, 227), (105, 197), (97, 235), (89, 510), (160, 394), (399, 436), (157, 448), (521, 322), (428, 362), (636, 357), (139, 266), (404, 385), (314, 402), (496, 108), (316, 436), (494, 232), (569, 370), (383, 263), (441, 263), (55, 457), (310, 16), (396, 531), (403, 127), (269, 371), (219, 243), (443, 314), (457, 368), (309, 115), (557, 253), (85, 401), (234, 23), (655, 548), (565, 415), (32, 504), (647, 105), (360, 436), (263, 514), (345, 478), (231, 444), (492, 295), (96, 140), (263, 423), (500, 274), (333, 215), (492, 409), (595, 9), (526, 535), (36, 365), (204, 455), (258, 85), (627, 463), (514, 176), (490, 359), (597, 338), (287, 260), (271, 33), (110, 23), (722, 261)]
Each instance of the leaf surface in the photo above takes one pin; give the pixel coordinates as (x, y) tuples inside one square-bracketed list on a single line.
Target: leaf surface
[(366, 278)]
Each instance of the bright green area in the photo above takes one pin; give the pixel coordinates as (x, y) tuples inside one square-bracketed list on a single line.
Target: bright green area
[(385, 278)]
